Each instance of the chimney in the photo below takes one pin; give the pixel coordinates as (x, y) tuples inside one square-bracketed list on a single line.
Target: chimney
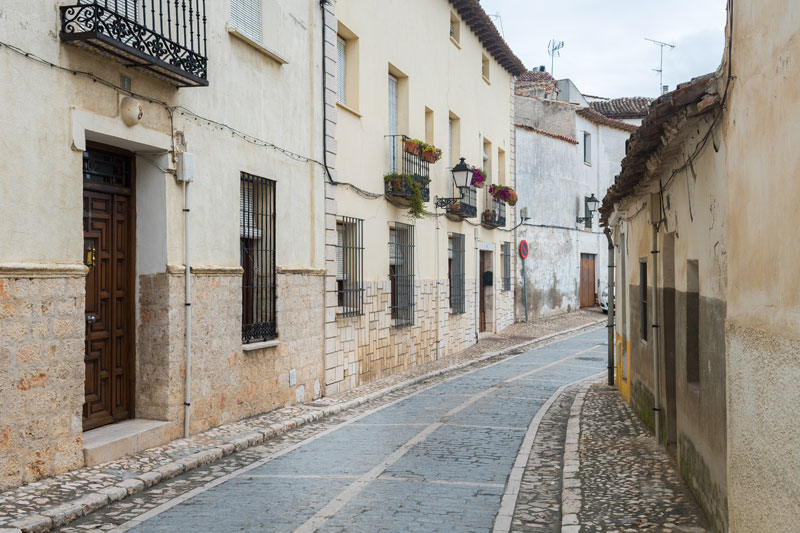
[(664, 89), (541, 68)]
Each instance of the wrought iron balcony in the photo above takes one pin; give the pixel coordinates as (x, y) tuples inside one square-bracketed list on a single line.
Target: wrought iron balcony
[(411, 165), (166, 38), (467, 207), (494, 215)]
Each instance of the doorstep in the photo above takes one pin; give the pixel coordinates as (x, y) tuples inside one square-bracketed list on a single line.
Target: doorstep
[(123, 438)]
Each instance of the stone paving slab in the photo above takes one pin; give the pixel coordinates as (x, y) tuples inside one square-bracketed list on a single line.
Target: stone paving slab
[(56, 501), (627, 482)]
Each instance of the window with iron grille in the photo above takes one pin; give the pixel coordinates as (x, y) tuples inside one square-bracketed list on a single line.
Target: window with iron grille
[(257, 238), (455, 269), (506, 266), (350, 266), (341, 74), (401, 273)]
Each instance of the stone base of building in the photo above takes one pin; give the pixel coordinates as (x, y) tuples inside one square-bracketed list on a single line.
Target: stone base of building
[(42, 377)]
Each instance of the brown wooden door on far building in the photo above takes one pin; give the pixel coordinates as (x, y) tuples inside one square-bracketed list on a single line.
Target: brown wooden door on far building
[(108, 240), (587, 280)]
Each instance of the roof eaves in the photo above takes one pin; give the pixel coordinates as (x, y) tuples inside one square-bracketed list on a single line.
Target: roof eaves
[(547, 133)]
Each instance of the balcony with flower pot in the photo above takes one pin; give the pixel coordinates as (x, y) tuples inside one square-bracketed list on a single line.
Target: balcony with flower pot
[(409, 185), (467, 205), (497, 196)]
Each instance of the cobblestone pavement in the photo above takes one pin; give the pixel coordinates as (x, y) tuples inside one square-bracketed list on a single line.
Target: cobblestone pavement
[(627, 481), (434, 456), (60, 499)]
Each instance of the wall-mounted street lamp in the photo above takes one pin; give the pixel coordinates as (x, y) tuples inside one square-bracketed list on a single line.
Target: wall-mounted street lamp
[(591, 204), (461, 174)]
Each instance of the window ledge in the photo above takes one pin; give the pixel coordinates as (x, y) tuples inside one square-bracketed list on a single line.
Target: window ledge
[(453, 40), (259, 345), (588, 164), (258, 46), (348, 109), (486, 79)]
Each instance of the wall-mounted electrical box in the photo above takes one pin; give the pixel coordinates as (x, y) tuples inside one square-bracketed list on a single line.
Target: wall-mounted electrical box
[(185, 167)]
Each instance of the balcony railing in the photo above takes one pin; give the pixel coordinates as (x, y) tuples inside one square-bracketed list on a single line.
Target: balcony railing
[(166, 38), (494, 214), (467, 207), (411, 165)]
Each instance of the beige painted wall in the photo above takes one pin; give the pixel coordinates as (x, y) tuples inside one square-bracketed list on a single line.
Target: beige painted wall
[(245, 89), (763, 291)]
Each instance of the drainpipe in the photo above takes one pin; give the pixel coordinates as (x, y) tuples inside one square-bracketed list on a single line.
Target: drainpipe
[(610, 302), (478, 287), (188, 307), (438, 355), (655, 336)]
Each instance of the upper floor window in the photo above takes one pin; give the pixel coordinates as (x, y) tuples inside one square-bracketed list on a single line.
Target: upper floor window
[(341, 64), (455, 28), (485, 64), (246, 18), (587, 148)]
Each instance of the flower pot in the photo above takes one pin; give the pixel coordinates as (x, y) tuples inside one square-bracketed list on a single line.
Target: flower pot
[(411, 147), (429, 156)]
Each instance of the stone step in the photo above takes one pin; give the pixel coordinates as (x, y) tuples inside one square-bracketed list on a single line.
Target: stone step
[(111, 442)]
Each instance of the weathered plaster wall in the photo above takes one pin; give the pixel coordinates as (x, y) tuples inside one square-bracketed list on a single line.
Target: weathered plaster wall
[(554, 116), (763, 328), (693, 413)]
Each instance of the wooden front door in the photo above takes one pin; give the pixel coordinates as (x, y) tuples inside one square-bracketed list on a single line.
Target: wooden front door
[(108, 241), (587, 280)]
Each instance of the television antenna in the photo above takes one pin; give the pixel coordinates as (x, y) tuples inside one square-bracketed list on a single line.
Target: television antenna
[(660, 68), (500, 21), (554, 49)]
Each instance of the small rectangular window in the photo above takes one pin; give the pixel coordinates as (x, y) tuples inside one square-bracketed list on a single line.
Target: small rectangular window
[(401, 273), (257, 255), (455, 28), (485, 67), (692, 321), (350, 266), (393, 126), (643, 325), (506, 266), (456, 272), (587, 215), (341, 70), (246, 18), (587, 148)]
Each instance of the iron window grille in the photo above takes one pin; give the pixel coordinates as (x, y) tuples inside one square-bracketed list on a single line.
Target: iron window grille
[(467, 207), (401, 274), (166, 38), (257, 238), (506, 266), (494, 213), (350, 266), (456, 273)]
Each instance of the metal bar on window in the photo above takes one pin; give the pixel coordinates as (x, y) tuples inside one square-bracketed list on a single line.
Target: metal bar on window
[(351, 270), (259, 280), (507, 266), (401, 273), (457, 288)]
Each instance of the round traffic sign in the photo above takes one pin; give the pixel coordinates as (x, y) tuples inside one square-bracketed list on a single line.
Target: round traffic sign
[(523, 249)]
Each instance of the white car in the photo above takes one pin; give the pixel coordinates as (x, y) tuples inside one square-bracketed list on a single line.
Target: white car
[(604, 300)]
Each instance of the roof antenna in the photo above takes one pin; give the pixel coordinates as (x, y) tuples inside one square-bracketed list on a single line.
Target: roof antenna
[(554, 49), (500, 21), (660, 68)]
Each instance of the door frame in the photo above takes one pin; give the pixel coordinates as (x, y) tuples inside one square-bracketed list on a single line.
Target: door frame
[(130, 283)]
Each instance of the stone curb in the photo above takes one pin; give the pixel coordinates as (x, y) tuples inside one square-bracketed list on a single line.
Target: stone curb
[(571, 480), (66, 512)]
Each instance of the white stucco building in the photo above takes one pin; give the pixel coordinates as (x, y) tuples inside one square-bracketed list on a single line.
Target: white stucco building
[(566, 153)]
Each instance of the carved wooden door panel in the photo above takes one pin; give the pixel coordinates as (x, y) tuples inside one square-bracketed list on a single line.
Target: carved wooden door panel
[(107, 231)]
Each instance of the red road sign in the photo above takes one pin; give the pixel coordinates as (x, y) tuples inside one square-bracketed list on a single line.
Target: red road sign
[(523, 249)]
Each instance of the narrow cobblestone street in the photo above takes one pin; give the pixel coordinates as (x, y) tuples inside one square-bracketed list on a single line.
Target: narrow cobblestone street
[(433, 457)]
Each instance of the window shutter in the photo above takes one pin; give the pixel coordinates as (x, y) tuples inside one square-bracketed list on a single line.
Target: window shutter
[(340, 252), (341, 65), (247, 223), (246, 17), (392, 124)]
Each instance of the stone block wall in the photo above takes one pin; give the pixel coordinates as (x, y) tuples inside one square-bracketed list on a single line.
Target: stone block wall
[(228, 383), (41, 377), (363, 349)]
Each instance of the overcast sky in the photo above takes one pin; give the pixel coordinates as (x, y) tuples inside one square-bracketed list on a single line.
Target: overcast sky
[(604, 52)]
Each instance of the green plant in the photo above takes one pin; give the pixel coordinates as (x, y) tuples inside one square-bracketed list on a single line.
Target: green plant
[(413, 185)]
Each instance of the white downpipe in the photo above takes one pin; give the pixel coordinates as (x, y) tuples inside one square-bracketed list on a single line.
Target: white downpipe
[(655, 334), (188, 309), (438, 302)]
